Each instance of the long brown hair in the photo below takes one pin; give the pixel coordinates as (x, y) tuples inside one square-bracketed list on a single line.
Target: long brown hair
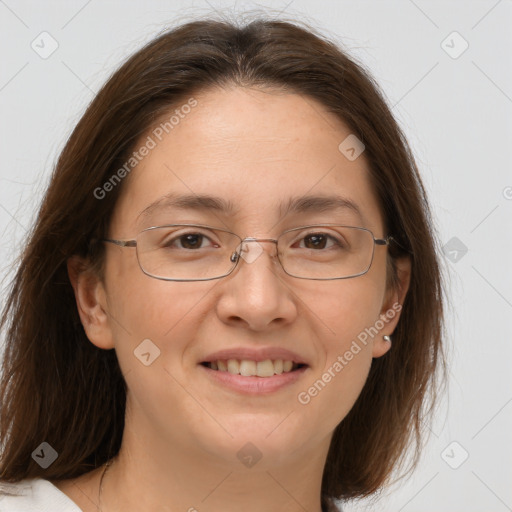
[(57, 387)]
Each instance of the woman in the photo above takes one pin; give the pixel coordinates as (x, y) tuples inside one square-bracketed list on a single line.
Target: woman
[(231, 298)]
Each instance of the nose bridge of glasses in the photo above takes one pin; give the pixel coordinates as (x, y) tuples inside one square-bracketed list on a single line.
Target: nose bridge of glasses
[(251, 253), (252, 239)]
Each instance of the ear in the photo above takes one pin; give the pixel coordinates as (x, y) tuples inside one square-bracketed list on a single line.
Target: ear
[(91, 302), (392, 305)]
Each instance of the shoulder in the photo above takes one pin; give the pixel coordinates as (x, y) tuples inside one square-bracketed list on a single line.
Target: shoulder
[(330, 504), (34, 495), (334, 506)]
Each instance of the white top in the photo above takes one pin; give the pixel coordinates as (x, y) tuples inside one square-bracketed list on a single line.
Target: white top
[(34, 495), (38, 495)]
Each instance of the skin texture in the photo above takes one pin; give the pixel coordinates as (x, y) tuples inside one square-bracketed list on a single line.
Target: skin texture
[(256, 148)]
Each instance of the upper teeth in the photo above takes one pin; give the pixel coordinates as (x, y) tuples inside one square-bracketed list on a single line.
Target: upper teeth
[(248, 368)]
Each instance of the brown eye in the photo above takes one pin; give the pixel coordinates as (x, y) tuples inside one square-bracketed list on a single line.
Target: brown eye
[(191, 241), (315, 241), (319, 241)]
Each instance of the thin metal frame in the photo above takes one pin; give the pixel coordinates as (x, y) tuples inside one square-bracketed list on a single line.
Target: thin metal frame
[(235, 257)]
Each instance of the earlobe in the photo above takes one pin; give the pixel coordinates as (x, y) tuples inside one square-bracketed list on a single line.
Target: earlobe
[(392, 307), (381, 345), (91, 302)]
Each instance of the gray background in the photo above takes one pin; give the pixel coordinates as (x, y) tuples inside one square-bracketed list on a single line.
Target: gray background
[(455, 108)]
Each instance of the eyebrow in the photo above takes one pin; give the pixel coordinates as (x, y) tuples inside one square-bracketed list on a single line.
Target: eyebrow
[(295, 205), (306, 204), (190, 202)]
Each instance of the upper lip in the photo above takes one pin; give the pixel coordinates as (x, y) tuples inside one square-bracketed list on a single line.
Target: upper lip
[(251, 354)]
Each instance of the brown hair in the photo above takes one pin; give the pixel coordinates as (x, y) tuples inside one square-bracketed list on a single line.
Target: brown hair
[(58, 387)]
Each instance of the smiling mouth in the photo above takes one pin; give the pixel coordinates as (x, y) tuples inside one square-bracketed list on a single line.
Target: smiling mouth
[(249, 368)]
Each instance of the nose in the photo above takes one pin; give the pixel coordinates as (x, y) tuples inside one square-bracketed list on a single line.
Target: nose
[(256, 295)]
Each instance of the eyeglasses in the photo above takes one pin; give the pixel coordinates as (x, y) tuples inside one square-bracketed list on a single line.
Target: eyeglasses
[(193, 252)]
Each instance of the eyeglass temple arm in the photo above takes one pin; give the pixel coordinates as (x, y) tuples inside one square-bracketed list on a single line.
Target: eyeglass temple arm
[(383, 241), (122, 243)]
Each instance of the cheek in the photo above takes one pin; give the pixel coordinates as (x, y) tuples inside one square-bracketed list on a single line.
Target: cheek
[(142, 305), (154, 323), (334, 387), (345, 308), (167, 313), (333, 390), (348, 310)]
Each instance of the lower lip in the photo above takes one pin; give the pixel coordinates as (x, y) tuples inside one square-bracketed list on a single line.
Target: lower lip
[(254, 385)]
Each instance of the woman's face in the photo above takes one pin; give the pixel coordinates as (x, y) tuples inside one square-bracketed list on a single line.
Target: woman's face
[(257, 150)]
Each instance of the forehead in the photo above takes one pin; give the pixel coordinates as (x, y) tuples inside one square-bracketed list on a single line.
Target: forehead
[(256, 152)]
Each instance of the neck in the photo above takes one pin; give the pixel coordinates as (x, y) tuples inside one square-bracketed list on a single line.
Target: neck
[(151, 475)]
